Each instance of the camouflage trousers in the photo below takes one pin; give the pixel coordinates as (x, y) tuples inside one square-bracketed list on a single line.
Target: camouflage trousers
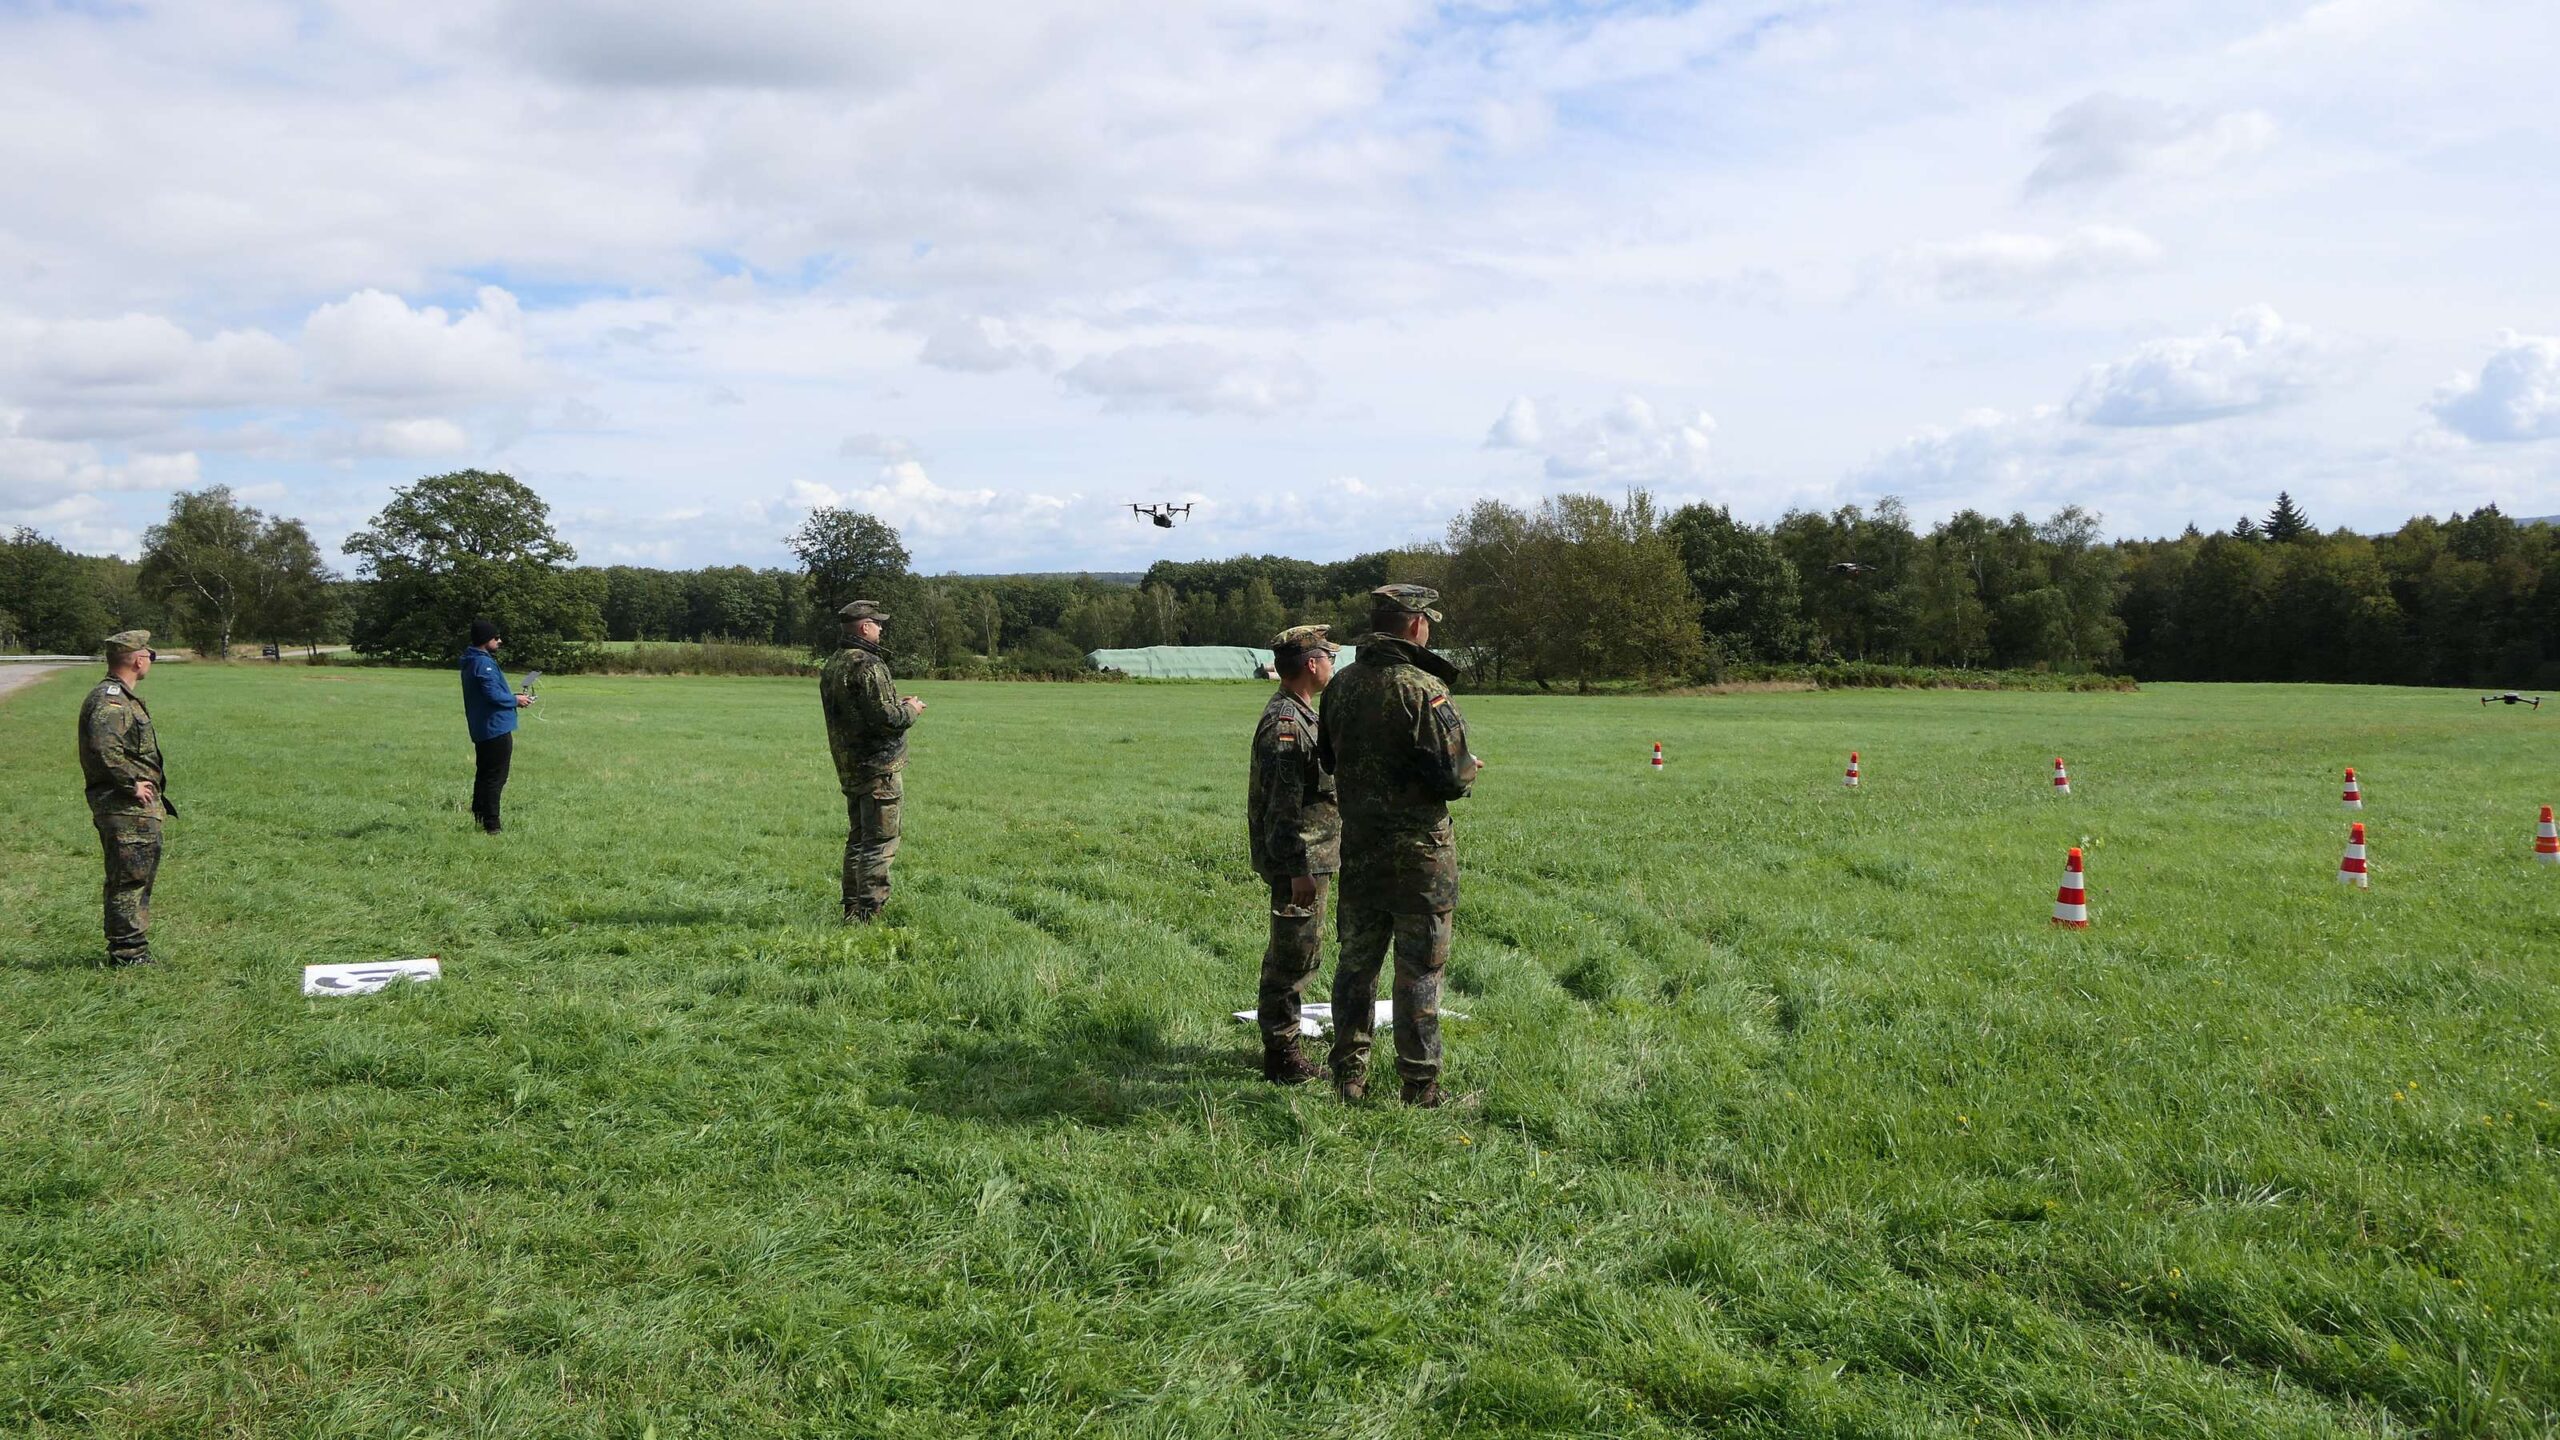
[(1289, 961), (870, 843), (132, 843), (1421, 944)]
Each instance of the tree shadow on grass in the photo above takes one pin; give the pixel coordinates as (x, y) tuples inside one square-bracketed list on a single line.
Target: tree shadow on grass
[(1100, 1075)]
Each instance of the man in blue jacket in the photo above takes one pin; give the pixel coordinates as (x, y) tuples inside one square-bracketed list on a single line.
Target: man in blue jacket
[(489, 707)]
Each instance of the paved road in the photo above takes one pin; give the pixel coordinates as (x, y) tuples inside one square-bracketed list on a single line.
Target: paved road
[(13, 676)]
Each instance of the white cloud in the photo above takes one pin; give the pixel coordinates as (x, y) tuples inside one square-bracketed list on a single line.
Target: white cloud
[(146, 382), (2514, 397), (143, 359), (415, 439), (982, 346), (878, 447), (2155, 481), (758, 44), (36, 472), (1518, 429), (2254, 362), (825, 207), (2143, 482), (577, 414), (373, 346), (2007, 265), (1992, 457), (939, 522), (2109, 137), (1193, 377), (1626, 444), (85, 523)]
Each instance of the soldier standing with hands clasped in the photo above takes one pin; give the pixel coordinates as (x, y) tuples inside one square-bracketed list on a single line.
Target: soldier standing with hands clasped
[(1398, 751), (867, 722), (127, 787), (1295, 836)]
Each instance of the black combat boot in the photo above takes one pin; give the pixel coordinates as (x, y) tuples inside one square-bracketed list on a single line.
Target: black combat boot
[(1424, 1093), (1350, 1084), (1282, 1064)]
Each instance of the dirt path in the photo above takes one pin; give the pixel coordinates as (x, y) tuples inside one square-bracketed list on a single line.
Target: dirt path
[(13, 676)]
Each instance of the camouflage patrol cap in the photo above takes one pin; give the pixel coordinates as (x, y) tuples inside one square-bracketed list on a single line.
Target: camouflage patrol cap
[(125, 642), (862, 610), (1411, 599), (1301, 638)]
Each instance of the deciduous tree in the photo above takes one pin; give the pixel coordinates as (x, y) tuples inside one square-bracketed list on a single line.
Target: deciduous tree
[(449, 549), (203, 563)]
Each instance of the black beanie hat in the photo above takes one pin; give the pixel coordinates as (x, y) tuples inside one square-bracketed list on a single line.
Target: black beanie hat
[(482, 632)]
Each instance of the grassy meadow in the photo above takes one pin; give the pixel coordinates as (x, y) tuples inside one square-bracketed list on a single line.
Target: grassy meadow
[(1787, 1113)]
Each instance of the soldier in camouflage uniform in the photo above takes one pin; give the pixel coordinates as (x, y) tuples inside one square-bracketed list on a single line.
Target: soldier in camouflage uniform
[(1294, 834), (1398, 751), (867, 722), (127, 784)]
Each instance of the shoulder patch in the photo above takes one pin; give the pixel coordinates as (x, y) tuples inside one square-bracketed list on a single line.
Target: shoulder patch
[(1439, 700), (111, 688)]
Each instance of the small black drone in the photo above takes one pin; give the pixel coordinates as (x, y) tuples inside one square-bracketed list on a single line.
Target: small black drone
[(1850, 568), (2512, 698), (1162, 514)]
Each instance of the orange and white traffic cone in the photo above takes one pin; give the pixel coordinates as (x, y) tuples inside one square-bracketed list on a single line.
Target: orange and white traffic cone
[(1657, 754), (1851, 779), (2354, 797), (2061, 777), (2071, 900), (2546, 840), (2351, 870)]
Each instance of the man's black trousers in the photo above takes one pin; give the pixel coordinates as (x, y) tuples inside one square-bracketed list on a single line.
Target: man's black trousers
[(489, 777)]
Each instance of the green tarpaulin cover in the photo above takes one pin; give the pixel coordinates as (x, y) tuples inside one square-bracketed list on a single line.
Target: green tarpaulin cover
[(1191, 662)]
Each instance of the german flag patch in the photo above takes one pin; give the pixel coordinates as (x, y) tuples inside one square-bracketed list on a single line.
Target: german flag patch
[(1439, 700)]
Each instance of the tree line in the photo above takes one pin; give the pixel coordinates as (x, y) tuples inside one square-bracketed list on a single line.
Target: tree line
[(213, 573), (1582, 588), (1576, 589)]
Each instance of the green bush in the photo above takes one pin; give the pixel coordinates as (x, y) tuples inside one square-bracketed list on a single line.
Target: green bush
[(703, 657), (1865, 675)]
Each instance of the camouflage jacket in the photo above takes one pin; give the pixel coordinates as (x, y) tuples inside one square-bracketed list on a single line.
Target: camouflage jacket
[(119, 749), (1398, 751), (866, 722), (1291, 824)]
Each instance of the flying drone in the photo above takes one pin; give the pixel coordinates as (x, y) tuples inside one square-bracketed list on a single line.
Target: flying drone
[(1850, 568), (2512, 698), (1162, 514)]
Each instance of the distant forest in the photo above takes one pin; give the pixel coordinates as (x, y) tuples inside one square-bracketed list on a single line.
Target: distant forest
[(1577, 589)]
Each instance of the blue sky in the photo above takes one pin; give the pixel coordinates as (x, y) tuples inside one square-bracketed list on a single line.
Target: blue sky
[(1329, 271)]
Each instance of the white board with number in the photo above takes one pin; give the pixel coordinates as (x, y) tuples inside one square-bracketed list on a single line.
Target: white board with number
[(364, 979)]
